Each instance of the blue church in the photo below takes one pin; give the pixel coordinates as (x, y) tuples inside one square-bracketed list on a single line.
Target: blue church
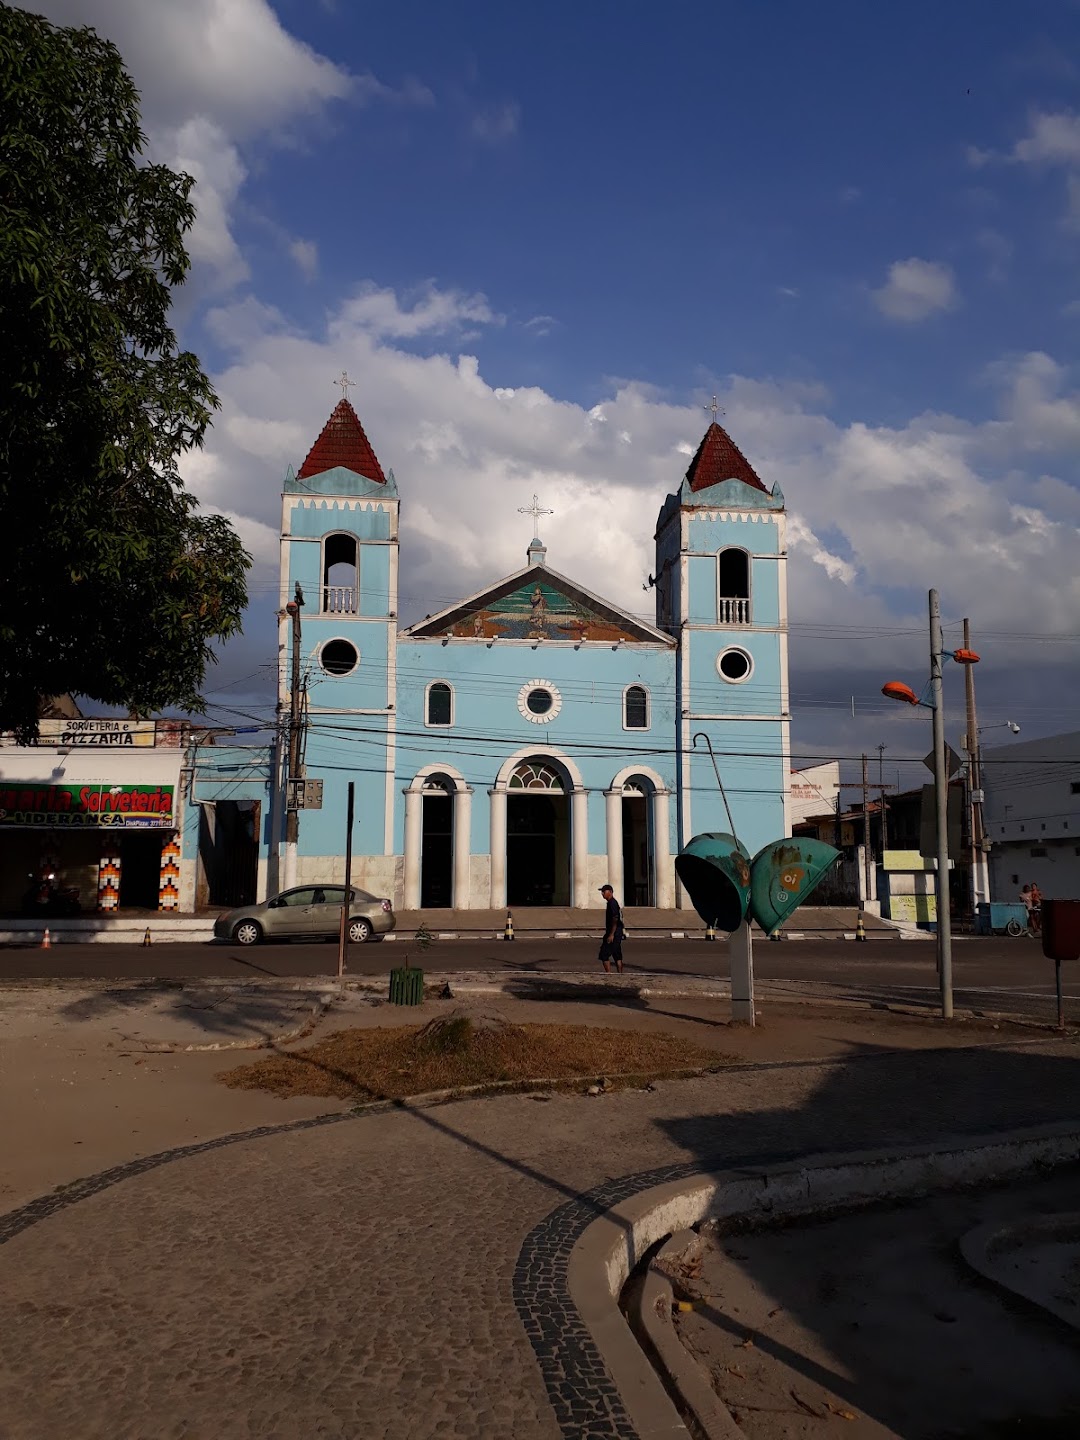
[(534, 740)]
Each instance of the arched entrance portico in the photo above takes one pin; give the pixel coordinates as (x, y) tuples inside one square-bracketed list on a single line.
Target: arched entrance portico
[(539, 831), (638, 838), (438, 821)]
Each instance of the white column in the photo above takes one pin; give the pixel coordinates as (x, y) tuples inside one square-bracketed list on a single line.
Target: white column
[(614, 877), (498, 848), (665, 869), (462, 848), (414, 819), (579, 847)]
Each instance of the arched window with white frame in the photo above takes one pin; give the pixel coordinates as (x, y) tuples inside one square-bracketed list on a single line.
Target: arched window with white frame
[(439, 704), (635, 708), (341, 575), (733, 586)]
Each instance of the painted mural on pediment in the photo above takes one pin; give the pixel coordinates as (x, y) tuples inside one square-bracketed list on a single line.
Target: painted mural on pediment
[(537, 611)]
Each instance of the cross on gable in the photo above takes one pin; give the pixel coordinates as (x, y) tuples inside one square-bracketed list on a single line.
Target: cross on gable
[(535, 510), (345, 383)]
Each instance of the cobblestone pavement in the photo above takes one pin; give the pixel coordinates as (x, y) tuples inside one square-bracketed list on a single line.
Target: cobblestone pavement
[(401, 1274)]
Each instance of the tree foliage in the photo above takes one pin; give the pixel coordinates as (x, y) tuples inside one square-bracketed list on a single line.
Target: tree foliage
[(112, 584)]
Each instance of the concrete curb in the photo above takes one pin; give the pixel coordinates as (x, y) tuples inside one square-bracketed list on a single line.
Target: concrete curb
[(983, 1246), (614, 1244), (260, 1042), (686, 1380)]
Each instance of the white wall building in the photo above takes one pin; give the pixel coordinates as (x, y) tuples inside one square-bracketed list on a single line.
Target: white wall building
[(1032, 816), (814, 791)]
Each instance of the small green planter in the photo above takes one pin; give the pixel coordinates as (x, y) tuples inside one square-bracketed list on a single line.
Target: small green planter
[(407, 987)]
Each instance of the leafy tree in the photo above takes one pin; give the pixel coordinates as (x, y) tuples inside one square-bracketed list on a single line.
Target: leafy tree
[(112, 584)]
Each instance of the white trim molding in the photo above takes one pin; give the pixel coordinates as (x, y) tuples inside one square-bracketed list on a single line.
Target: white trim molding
[(438, 724), (546, 716), (637, 685)]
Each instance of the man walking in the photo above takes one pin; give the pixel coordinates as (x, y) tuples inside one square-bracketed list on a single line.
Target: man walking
[(611, 945)]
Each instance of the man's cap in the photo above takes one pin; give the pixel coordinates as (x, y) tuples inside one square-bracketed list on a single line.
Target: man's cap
[(607, 887)]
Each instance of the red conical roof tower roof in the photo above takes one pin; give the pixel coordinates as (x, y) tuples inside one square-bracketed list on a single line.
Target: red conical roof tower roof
[(719, 458), (343, 442)]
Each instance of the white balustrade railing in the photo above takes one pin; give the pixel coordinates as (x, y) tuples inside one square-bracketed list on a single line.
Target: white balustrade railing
[(339, 600), (734, 612)]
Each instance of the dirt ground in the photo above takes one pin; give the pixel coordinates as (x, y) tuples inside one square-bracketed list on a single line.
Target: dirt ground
[(87, 1083), (872, 1325)]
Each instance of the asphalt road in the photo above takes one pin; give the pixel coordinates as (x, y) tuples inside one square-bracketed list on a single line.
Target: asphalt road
[(989, 974)]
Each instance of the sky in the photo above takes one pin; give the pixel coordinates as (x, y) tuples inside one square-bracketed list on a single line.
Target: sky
[(539, 239)]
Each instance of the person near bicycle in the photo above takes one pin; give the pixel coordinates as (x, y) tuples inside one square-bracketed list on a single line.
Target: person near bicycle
[(1032, 901), (1035, 913)]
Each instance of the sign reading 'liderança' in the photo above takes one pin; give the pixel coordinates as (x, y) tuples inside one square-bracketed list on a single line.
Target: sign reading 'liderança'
[(129, 806)]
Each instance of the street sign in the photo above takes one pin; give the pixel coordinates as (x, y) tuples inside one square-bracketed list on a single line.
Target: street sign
[(952, 762), (928, 823)]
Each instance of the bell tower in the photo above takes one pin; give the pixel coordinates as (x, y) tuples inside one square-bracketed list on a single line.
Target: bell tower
[(339, 544), (721, 591)]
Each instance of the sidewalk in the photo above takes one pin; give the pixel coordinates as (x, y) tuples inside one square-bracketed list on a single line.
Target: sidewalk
[(368, 1275), (544, 921)]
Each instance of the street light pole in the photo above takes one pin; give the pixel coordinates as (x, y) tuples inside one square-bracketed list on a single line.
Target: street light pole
[(941, 801)]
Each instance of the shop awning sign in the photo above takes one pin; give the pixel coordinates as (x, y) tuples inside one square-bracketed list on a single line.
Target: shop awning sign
[(101, 734), (75, 807)]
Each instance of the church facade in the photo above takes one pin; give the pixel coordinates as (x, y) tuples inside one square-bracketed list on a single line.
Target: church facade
[(532, 741)]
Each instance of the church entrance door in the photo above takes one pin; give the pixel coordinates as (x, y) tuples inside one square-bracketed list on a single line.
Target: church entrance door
[(638, 866), (537, 835), (437, 846)]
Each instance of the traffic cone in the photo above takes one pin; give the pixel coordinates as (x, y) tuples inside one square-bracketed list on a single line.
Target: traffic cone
[(146, 937), (508, 933), (46, 940), (710, 932), (860, 928)]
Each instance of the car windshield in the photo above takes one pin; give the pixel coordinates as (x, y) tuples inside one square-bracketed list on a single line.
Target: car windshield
[(361, 897)]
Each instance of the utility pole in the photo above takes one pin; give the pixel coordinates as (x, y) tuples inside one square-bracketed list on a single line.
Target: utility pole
[(980, 879), (292, 816), (866, 829), (941, 798), (881, 793)]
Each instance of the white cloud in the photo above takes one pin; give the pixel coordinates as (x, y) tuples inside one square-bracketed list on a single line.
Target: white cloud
[(306, 255), (915, 289), (200, 148), (1052, 139), (216, 77), (230, 61), (495, 124), (429, 311)]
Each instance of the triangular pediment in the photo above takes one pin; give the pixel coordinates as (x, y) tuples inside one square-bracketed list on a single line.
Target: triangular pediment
[(537, 604)]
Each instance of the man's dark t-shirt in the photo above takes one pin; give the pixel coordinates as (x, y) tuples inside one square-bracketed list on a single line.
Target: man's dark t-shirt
[(614, 918)]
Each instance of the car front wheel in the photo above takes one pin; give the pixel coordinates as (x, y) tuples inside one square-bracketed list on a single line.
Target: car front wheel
[(359, 931), (248, 932)]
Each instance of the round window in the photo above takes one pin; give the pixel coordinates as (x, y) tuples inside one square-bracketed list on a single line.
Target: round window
[(734, 665), (338, 657), (539, 701)]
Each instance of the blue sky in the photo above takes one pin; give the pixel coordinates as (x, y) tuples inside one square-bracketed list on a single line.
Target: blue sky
[(539, 238), (660, 182)]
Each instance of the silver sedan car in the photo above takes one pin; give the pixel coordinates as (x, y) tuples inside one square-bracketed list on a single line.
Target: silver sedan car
[(310, 912)]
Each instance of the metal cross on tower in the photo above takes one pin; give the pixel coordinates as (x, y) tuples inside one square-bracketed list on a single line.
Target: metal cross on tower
[(714, 408), (535, 510), (344, 382)]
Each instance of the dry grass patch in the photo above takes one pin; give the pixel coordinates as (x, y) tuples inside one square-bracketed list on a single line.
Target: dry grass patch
[(461, 1050)]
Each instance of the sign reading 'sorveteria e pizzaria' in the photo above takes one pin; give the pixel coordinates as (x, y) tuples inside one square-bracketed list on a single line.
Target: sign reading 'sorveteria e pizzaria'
[(131, 807), (102, 734)]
